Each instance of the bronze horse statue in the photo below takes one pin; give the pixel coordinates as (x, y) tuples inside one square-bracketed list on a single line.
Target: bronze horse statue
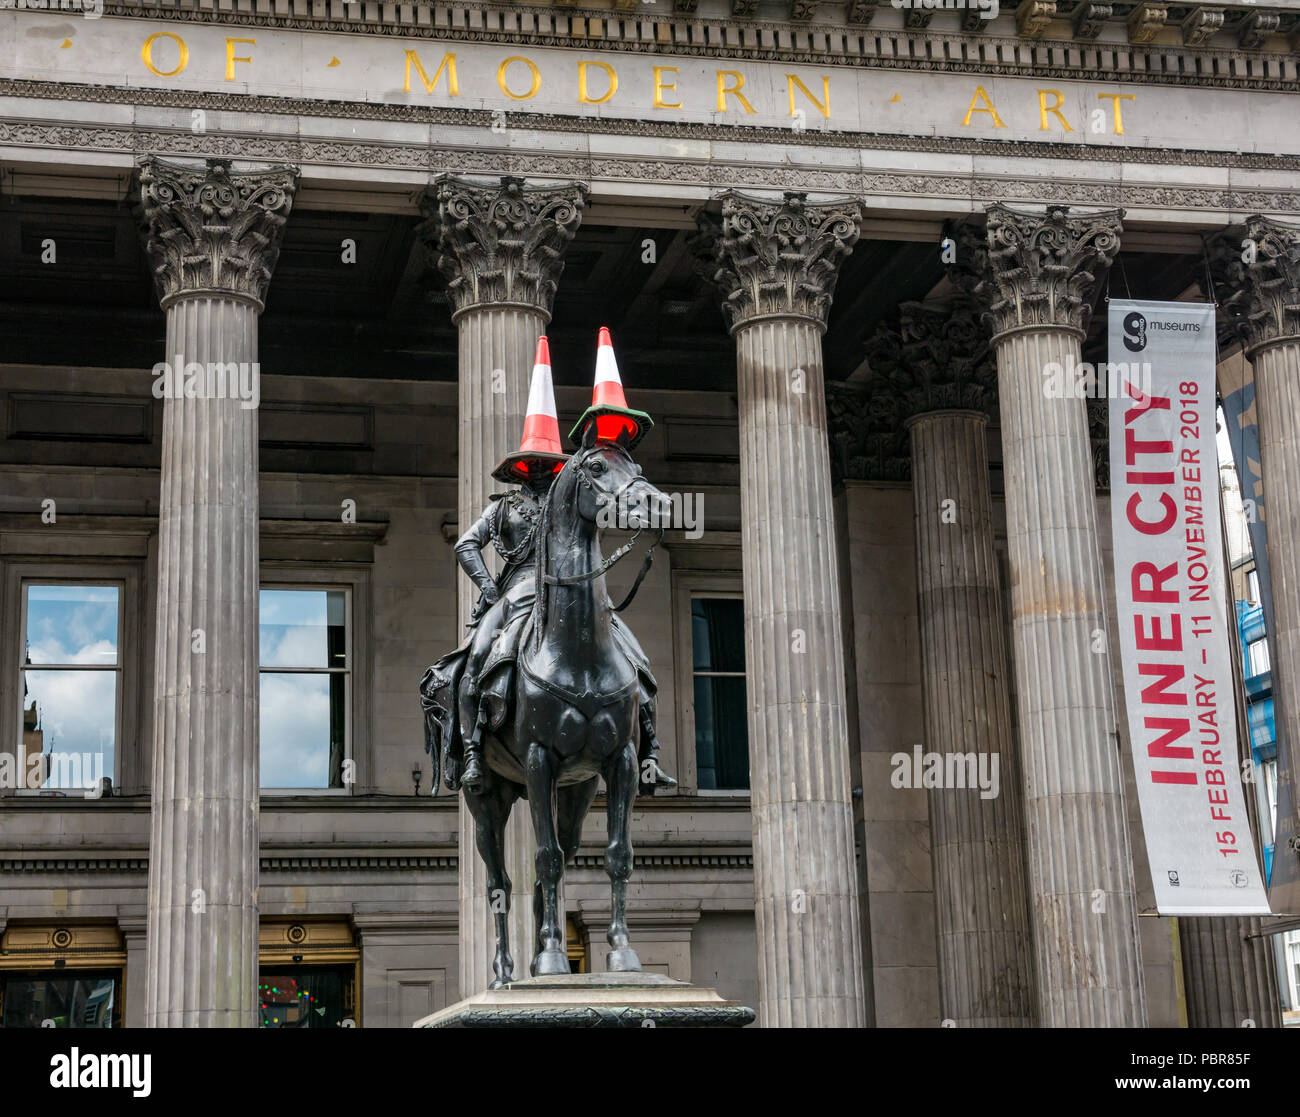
[(569, 711)]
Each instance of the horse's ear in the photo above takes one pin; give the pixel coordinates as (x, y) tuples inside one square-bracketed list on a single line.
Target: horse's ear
[(624, 440), (589, 435)]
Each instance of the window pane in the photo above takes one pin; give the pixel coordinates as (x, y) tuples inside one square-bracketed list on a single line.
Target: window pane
[(721, 734), (70, 716), (304, 996), (303, 628), (303, 719), (718, 633), (1257, 651), (69, 1000), (72, 624)]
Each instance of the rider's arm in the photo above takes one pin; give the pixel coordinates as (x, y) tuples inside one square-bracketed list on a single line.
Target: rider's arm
[(469, 546)]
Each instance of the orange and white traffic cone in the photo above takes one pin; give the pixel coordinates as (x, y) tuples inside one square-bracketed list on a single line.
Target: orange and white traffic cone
[(540, 446), (609, 409)]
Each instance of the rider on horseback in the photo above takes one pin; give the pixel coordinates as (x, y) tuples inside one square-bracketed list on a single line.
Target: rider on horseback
[(510, 524)]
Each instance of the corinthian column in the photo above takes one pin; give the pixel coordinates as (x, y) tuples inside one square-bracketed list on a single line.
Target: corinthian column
[(776, 264), (212, 236), (940, 370), (1043, 270), (501, 245)]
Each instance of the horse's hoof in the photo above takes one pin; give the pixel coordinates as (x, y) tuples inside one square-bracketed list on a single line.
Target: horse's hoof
[(550, 962), (623, 961)]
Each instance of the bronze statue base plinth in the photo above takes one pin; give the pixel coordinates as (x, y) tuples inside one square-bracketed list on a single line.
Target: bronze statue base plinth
[(599, 1000)]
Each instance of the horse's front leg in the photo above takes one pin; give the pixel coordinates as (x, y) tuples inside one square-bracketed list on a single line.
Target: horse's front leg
[(621, 778), (491, 811), (541, 774)]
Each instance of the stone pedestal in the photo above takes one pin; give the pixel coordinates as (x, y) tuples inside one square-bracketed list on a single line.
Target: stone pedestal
[(1042, 273), (600, 1000), (212, 236), (776, 264), (501, 245)]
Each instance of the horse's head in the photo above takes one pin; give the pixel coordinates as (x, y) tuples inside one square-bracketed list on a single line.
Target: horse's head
[(611, 490)]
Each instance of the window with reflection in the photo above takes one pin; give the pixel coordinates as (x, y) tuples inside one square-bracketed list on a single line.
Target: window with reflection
[(305, 660), (61, 999), (71, 685), (307, 996), (718, 670)]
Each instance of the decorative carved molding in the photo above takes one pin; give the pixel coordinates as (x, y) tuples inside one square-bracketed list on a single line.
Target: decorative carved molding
[(1146, 21), (1259, 300), (1033, 17), (213, 229), (500, 242), (744, 9), (1089, 18), (917, 19), (1201, 25), (1044, 268), (867, 441), (776, 258), (859, 13), (1256, 28), (801, 11)]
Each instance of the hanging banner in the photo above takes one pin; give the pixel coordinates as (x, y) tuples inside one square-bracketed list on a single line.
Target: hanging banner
[(1174, 632), (1237, 385)]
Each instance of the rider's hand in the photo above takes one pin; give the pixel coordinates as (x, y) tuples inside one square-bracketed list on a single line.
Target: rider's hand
[(491, 595)]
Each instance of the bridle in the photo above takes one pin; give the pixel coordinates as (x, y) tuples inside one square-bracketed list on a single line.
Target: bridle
[(584, 478)]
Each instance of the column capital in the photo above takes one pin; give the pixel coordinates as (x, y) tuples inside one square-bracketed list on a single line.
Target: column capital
[(1044, 266), (1256, 269), (866, 442), (776, 259), (212, 230), (939, 359), (500, 243)]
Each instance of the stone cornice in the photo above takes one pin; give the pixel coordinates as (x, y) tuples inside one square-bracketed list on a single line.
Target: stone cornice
[(1044, 268), (253, 144), (1256, 269), (212, 229), (850, 40), (776, 259), (500, 242)]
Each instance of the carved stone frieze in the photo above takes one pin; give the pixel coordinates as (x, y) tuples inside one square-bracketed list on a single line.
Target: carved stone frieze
[(776, 258), (1256, 271), (1044, 267), (212, 229), (500, 242)]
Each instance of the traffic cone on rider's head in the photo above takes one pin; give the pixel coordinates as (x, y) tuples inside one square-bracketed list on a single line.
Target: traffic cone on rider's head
[(609, 409), (540, 447)]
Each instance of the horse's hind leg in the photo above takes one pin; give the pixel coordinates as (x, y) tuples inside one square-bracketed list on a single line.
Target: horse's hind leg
[(621, 777), (491, 809), (551, 957)]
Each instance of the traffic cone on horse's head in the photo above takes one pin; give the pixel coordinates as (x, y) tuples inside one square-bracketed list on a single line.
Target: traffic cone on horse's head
[(539, 449), (609, 409)]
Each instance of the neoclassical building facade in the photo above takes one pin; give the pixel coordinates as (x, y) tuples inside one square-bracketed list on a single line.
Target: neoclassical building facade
[(837, 245)]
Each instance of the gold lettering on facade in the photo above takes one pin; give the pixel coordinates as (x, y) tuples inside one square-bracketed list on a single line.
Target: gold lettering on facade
[(146, 54), (230, 56), (982, 98), (1115, 99), (448, 60), (1044, 108), (532, 69), (662, 87), (584, 97), (823, 106), (734, 90)]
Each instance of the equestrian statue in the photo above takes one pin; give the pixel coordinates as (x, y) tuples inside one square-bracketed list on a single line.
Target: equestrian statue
[(550, 691)]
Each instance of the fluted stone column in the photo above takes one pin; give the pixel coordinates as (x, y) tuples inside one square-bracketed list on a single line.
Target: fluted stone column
[(1043, 270), (776, 265), (940, 371), (501, 245), (212, 237), (1229, 973)]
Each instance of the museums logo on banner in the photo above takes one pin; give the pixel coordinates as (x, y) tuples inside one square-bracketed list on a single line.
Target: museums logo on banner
[(1174, 629)]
